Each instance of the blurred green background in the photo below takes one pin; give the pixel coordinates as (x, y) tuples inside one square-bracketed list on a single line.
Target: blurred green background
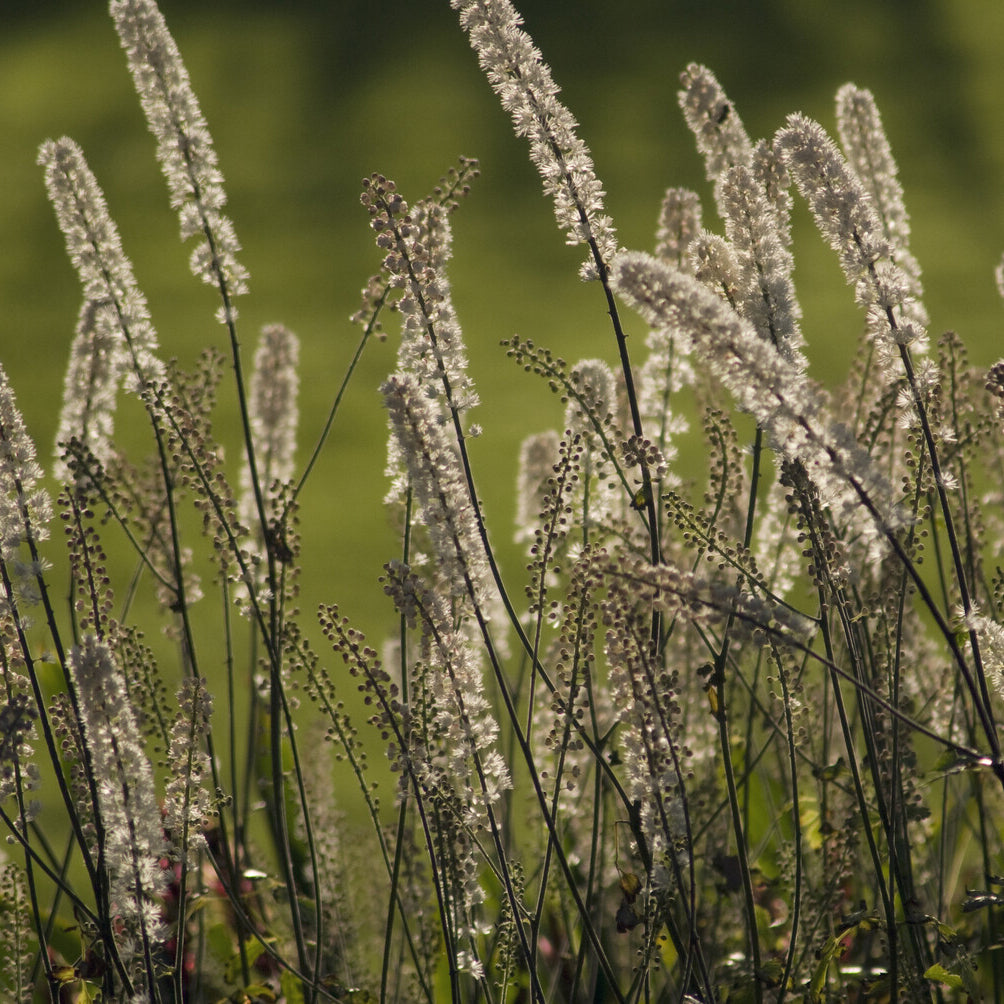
[(305, 98)]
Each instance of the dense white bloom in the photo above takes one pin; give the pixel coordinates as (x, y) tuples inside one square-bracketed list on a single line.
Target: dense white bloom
[(523, 82), (537, 456), (25, 507), (89, 390), (868, 152), (115, 336), (432, 341), (667, 368), (274, 385), (847, 218), (774, 183), (835, 196), (127, 800), (679, 223), (184, 146), (273, 411), (187, 804), (785, 403), (720, 134), (444, 505), (418, 245), (766, 292), (713, 262), (595, 397)]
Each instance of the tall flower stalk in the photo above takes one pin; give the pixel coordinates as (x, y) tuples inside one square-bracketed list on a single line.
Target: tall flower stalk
[(731, 733)]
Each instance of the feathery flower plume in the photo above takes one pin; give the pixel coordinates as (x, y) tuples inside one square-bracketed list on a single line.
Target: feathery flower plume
[(184, 147), (18, 942), (774, 181), (445, 507), (836, 197), (596, 397), (273, 411), (523, 82), (89, 390), (766, 295), (866, 146), (537, 456), (712, 118), (846, 218), (187, 804), (451, 753), (25, 507), (667, 368), (419, 244), (679, 223), (714, 264), (121, 337), (127, 800), (784, 402)]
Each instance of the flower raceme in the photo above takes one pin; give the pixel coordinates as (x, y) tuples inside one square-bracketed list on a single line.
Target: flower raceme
[(688, 648), (784, 401), (527, 91), (434, 475), (184, 147)]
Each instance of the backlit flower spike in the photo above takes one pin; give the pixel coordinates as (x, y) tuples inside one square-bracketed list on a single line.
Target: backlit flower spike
[(766, 296), (418, 244), (679, 223), (835, 196), (523, 82), (847, 219), (275, 383), (867, 149), (667, 368), (443, 504), (122, 332), (25, 506), (432, 340), (785, 403), (713, 262), (127, 799), (89, 390), (188, 806), (184, 147), (538, 453), (711, 116), (773, 179), (274, 415)]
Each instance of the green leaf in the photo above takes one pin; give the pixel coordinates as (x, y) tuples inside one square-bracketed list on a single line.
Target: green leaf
[(939, 974), (292, 988), (252, 948)]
